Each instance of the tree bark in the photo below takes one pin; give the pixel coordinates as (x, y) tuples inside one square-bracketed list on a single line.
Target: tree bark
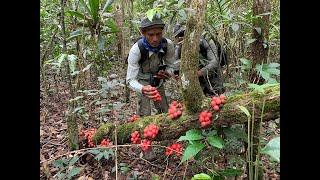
[(173, 129), (191, 90), (260, 32)]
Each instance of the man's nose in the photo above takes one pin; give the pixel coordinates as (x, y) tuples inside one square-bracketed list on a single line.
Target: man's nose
[(155, 38)]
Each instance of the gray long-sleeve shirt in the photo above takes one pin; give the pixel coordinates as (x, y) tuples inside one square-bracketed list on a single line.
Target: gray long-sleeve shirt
[(134, 71), (212, 55)]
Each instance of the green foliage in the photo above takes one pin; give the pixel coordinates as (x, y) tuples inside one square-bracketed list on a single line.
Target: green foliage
[(66, 167), (272, 149), (201, 176), (192, 135), (192, 150), (267, 71), (215, 141)]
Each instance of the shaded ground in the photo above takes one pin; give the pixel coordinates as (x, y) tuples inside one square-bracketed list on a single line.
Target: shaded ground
[(53, 141)]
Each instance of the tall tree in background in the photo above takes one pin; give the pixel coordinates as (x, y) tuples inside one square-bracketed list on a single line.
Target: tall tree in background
[(259, 48)]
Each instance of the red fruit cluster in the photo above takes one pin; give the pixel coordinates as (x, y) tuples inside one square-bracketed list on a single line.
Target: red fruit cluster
[(88, 134), (217, 102), (157, 97), (175, 110), (151, 131), (174, 148), (133, 118), (105, 142), (145, 145), (135, 137), (205, 119)]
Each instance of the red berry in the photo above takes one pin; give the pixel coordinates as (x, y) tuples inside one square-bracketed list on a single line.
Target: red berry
[(218, 101), (216, 108)]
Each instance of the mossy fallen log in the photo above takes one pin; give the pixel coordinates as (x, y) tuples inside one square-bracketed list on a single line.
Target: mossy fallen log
[(172, 129)]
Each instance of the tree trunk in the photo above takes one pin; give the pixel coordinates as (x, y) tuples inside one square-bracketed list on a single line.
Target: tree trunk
[(71, 120), (259, 48), (129, 10), (259, 56), (191, 90), (173, 129)]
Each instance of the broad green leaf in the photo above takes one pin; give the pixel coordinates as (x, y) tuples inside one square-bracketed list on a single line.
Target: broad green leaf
[(272, 80), (235, 27), (94, 151), (191, 135), (75, 34), (258, 29), (75, 13), (230, 172), (94, 7), (150, 14), (101, 42), (273, 149), (108, 153), (215, 141), (87, 67), (246, 62), (192, 150), (99, 156), (124, 169), (107, 5), (245, 110), (61, 58), (77, 109), (112, 25), (251, 41), (58, 163), (74, 171), (60, 175), (182, 14), (86, 7), (257, 88), (273, 65), (201, 176), (180, 3), (273, 71), (73, 160), (265, 75), (72, 62)]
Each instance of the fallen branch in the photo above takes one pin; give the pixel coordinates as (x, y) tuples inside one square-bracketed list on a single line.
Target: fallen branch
[(173, 129)]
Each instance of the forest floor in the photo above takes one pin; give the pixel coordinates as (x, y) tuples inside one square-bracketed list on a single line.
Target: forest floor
[(131, 163)]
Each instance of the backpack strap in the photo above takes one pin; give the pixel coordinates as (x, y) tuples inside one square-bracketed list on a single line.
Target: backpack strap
[(144, 53)]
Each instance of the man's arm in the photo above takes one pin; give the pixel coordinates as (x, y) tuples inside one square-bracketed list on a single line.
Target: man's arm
[(212, 57), (133, 68)]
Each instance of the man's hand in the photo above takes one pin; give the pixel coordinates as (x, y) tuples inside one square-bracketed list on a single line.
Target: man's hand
[(162, 75), (149, 91)]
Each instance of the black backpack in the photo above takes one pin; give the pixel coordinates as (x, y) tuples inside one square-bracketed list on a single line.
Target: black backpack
[(144, 52), (222, 54)]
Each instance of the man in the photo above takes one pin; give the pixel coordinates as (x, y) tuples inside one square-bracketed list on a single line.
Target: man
[(150, 62), (209, 64)]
